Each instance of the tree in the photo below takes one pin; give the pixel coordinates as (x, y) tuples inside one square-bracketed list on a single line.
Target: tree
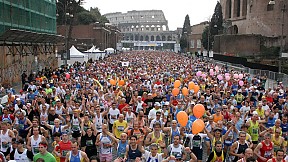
[(205, 38), (185, 32), (215, 27)]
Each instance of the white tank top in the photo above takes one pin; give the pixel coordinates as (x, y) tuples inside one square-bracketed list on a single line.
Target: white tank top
[(98, 122), (35, 144), (5, 138), (128, 117), (43, 117), (174, 151), (139, 106), (75, 124), (105, 140), (59, 111), (21, 157)]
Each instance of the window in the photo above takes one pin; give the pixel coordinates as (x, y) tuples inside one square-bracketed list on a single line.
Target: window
[(270, 7), (198, 43), (192, 44)]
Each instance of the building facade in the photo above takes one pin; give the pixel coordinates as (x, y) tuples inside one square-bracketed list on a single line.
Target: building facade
[(27, 38), (254, 17), (144, 30), (195, 37), (103, 36)]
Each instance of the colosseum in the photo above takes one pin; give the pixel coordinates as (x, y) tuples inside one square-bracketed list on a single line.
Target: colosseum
[(144, 30)]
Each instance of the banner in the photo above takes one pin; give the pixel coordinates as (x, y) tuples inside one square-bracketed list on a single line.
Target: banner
[(125, 63)]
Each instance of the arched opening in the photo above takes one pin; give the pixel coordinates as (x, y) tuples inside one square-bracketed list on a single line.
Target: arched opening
[(141, 38), (137, 37), (158, 38), (169, 38), (146, 38), (164, 27), (235, 29), (152, 38), (237, 5), (228, 12), (127, 38), (131, 37), (163, 38), (244, 8)]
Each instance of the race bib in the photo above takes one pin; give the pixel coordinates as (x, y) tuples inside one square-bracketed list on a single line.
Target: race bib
[(5, 145), (255, 131), (267, 154), (89, 143), (64, 153), (21, 126), (106, 145), (120, 128), (175, 153), (75, 128), (51, 122), (196, 143), (36, 150), (113, 116)]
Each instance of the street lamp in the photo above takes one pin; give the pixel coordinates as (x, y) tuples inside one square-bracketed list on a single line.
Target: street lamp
[(209, 32), (283, 9), (66, 14)]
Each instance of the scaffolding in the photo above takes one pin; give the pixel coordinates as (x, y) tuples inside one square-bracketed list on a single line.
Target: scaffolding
[(32, 15)]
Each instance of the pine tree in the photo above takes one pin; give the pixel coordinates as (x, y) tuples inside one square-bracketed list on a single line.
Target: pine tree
[(215, 27), (185, 33)]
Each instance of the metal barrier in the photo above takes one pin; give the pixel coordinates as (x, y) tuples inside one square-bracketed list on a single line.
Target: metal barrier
[(273, 78)]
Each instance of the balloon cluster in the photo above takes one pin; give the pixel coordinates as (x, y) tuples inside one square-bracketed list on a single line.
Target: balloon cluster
[(114, 82)]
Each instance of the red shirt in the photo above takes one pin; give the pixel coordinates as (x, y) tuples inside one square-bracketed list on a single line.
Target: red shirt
[(121, 106), (63, 148), (9, 116), (266, 151)]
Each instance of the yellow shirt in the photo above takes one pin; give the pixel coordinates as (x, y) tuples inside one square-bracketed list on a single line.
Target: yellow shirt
[(54, 144), (157, 141), (119, 128), (260, 113)]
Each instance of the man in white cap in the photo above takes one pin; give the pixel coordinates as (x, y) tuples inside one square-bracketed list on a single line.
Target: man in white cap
[(152, 113)]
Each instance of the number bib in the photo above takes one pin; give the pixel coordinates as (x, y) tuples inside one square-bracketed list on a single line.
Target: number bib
[(5, 145), (21, 126), (196, 143), (120, 128), (64, 153), (89, 143), (36, 150), (254, 130)]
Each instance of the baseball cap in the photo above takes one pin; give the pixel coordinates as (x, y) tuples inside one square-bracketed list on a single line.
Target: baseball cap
[(255, 113), (157, 104)]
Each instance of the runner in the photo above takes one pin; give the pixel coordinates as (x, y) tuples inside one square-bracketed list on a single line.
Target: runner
[(264, 150), (43, 153), (76, 155)]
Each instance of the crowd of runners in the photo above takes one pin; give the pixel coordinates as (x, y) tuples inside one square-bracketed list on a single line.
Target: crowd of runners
[(124, 108)]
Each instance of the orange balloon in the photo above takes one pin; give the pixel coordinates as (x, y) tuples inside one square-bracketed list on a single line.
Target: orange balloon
[(196, 88), (177, 84), (197, 126), (198, 110), (182, 118), (112, 81), (185, 91), (175, 91), (191, 85), (121, 82)]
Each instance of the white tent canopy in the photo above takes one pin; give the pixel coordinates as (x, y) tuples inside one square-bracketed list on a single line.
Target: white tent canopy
[(91, 49), (109, 50), (75, 53)]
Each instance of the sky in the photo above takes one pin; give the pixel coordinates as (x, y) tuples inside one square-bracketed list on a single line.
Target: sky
[(174, 11)]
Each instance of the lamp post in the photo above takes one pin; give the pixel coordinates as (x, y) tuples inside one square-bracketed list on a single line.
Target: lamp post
[(66, 14), (283, 9)]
